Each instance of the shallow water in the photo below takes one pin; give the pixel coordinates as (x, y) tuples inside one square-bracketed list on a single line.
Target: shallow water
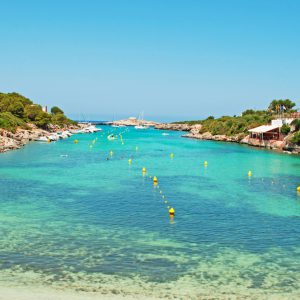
[(72, 216)]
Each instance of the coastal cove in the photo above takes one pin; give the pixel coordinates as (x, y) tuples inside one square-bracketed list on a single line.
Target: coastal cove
[(80, 219)]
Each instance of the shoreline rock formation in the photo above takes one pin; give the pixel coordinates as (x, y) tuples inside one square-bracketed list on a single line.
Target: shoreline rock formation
[(132, 122), (13, 141), (193, 132)]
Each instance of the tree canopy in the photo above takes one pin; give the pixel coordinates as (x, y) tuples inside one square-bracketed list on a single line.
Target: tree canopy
[(286, 105), (17, 110), (56, 110)]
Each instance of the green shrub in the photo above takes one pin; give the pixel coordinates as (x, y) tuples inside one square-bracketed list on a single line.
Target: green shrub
[(285, 129), (61, 120), (10, 122), (32, 111), (56, 110), (296, 124), (296, 138), (17, 109), (42, 120)]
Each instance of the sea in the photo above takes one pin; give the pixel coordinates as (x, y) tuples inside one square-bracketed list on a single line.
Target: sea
[(82, 216)]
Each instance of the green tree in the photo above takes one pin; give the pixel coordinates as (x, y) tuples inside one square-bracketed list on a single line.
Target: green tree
[(42, 120), (285, 129), (296, 138), (16, 108), (296, 124), (32, 111), (277, 103), (56, 110), (4, 103)]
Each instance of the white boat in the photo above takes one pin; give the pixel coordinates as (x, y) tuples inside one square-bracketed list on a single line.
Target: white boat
[(91, 129), (53, 137), (165, 133), (62, 135), (141, 120), (42, 139), (118, 125), (68, 133), (141, 127), (112, 137), (77, 131)]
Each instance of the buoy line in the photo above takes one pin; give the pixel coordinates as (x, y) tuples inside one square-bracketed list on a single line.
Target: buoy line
[(154, 179)]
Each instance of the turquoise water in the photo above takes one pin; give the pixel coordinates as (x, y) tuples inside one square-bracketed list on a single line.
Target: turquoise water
[(74, 217)]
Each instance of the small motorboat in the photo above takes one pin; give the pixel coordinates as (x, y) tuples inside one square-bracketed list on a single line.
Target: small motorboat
[(117, 126), (91, 129), (112, 137), (42, 139), (141, 127), (53, 137)]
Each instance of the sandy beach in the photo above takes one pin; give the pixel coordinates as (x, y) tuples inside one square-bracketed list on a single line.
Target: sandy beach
[(19, 293)]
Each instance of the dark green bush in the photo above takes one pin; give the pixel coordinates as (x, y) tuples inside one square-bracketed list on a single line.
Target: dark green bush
[(10, 122), (296, 138), (56, 110), (285, 129)]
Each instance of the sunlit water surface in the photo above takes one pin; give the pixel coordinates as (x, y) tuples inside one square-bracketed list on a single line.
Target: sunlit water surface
[(74, 217)]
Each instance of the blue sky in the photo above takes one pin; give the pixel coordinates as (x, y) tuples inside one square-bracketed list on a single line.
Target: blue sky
[(171, 59)]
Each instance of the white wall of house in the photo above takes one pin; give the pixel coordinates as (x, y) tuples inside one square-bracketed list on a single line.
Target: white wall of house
[(280, 122)]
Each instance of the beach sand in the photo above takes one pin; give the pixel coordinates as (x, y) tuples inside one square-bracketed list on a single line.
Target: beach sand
[(21, 293)]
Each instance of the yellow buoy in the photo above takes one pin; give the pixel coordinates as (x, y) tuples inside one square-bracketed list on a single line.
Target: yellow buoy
[(171, 212), (205, 163), (129, 160), (136, 148), (172, 155), (166, 202), (111, 153), (144, 170), (155, 179), (298, 189), (249, 173), (163, 196), (75, 141)]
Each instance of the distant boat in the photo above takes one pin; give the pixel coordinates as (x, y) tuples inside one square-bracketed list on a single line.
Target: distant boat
[(165, 133), (116, 125), (53, 137), (42, 139), (141, 127), (141, 121), (91, 129), (112, 137)]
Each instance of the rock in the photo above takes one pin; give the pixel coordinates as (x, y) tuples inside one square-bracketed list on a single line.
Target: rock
[(194, 133), (195, 129), (11, 141), (173, 126)]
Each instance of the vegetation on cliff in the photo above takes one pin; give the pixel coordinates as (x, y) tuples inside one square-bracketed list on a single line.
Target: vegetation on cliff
[(239, 125), (17, 110)]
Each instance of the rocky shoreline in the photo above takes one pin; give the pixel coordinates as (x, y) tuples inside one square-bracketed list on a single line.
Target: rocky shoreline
[(12, 141), (193, 132), (132, 122)]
